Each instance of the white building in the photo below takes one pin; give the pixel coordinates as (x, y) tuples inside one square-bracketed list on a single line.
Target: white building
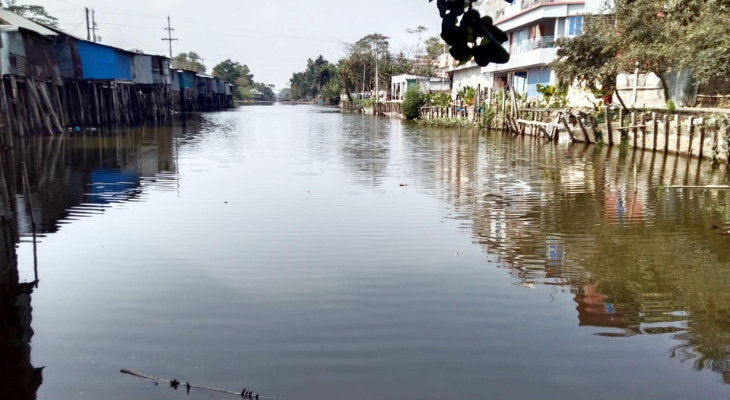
[(532, 27), (399, 84)]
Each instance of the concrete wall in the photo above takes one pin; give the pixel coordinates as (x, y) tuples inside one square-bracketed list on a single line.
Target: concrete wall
[(649, 90), (469, 77)]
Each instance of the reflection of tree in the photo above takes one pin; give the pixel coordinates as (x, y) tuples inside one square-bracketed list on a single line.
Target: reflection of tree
[(639, 260)]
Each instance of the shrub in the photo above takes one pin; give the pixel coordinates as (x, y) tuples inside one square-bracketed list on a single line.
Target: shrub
[(412, 103)]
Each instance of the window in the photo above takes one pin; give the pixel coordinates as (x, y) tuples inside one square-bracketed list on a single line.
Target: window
[(575, 24), (520, 36)]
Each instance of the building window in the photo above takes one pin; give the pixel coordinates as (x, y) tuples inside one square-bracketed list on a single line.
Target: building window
[(575, 25)]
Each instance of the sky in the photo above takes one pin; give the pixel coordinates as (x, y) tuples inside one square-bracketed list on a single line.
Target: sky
[(273, 37)]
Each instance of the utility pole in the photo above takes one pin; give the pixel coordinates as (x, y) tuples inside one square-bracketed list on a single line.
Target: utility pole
[(202, 61), (93, 24), (169, 37), (88, 28), (377, 80)]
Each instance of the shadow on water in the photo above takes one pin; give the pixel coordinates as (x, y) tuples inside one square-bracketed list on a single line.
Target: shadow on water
[(593, 221)]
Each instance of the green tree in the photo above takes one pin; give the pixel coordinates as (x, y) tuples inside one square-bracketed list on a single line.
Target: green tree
[(233, 71), (412, 102), (32, 12), (190, 61), (589, 59), (434, 47)]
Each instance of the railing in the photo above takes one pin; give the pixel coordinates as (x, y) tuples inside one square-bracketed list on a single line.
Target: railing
[(529, 3), (545, 42)]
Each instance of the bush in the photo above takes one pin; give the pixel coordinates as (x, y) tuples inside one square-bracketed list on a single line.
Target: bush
[(412, 103)]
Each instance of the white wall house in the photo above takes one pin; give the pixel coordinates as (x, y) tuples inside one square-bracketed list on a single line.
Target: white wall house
[(532, 27)]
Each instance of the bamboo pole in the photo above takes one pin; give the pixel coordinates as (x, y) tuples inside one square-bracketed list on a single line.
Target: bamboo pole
[(666, 133), (6, 114), (656, 129), (643, 131), (679, 132), (174, 383), (702, 140), (583, 129), (44, 117), (633, 130), (567, 128), (607, 117), (49, 106), (691, 134)]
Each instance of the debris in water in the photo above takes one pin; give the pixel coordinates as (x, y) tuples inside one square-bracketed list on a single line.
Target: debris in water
[(174, 384), (403, 184)]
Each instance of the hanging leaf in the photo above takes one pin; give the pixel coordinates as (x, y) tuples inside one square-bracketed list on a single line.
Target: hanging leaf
[(461, 53)]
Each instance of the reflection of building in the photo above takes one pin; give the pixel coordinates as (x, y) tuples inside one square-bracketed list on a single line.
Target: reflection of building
[(19, 379), (637, 262), (80, 173)]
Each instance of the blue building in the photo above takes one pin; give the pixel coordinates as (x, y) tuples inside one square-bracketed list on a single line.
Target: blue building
[(102, 62)]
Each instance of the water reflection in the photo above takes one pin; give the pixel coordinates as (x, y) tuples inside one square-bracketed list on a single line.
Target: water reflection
[(70, 176), (328, 293), (638, 259), (77, 175)]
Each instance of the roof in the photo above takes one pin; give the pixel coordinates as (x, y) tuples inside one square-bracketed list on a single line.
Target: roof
[(14, 19)]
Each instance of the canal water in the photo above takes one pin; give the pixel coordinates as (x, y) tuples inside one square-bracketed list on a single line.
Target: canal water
[(306, 254)]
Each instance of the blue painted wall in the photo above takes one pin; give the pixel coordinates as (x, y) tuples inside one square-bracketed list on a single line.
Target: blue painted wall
[(187, 80), (103, 62), (535, 76)]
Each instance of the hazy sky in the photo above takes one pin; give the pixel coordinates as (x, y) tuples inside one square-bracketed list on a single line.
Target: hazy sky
[(274, 37)]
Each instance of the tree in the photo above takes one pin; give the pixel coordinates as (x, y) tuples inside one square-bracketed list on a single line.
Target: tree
[(434, 47), (589, 59), (412, 103), (233, 71), (190, 61), (33, 13), (285, 94), (417, 33), (654, 36)]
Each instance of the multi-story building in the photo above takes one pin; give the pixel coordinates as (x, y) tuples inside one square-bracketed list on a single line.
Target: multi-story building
[(532, 27)]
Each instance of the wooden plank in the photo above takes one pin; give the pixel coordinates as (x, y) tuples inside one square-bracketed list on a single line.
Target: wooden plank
[(583, 129), (44, 115), (49, 105), (567, 128), (6, 114)]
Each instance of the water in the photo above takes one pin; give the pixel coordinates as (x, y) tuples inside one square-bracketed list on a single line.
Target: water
[(275, 248)]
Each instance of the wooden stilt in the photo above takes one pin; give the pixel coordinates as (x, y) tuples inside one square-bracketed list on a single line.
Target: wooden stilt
[(691, 134), (655, 129)]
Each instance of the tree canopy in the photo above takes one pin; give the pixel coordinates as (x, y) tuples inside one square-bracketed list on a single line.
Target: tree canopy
[(653, 35), (32, 12), (190, 61)]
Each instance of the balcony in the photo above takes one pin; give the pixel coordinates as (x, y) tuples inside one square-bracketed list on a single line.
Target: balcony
[(530, 3), (545, 42)]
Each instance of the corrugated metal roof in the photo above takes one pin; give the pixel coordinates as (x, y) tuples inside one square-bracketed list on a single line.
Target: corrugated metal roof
[(15, 19)]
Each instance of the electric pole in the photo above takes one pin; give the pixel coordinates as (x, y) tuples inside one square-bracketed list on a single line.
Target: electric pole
[(169, 37), (202, 61), (88, 28), (377, 80), (93, 25)]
